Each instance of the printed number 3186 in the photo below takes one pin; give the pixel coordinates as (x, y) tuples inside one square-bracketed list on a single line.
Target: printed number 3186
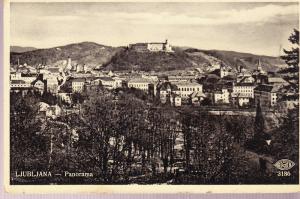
[(283, 173)]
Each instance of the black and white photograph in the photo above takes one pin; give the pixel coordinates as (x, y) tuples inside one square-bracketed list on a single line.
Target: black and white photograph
[(153, 93)]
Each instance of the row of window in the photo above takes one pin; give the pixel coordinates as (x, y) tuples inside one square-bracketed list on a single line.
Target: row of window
[(190, 89), (138, 85), (242, 90), (19, 85)]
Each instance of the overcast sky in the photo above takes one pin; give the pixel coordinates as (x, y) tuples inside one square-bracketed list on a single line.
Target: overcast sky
[(258, 28)]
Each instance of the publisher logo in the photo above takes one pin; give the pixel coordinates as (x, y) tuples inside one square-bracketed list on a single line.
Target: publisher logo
[(284, 164)]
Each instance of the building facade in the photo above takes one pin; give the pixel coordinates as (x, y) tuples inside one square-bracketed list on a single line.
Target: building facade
[(185, 89), (243, 89), (78, 85), (266, 95)]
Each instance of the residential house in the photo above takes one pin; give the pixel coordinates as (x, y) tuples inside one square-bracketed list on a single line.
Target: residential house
[(175, 99), (241, 99), (49, 111), (64, 96), (39, 85), (196, 97), (222, 96), (165, 90)]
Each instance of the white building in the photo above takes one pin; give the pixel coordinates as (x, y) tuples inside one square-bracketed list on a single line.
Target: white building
[(52, 84), (15, 76), (66, 97), (240, 99), (19, 84), (175, 100), (28, 78), (118, 82), (153, 47), (224, 72), (39, 85), (222, 96), (185, 89), (78, 85), (244, 89), (108, 82), (139, 83)]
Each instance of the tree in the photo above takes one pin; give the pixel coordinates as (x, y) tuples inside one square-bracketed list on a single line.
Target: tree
[(285, 142), (28, 145), (259, 122), (77, 98), (291, 58), (257, 143), (48, 98)]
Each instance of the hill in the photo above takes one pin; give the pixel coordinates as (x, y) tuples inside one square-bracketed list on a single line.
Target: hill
[(20, 49), (186, 58), (247, 60), (89, 53), (122, 58), (146, 61)]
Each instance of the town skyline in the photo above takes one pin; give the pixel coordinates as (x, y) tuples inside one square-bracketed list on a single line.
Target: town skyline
[(229, 27)]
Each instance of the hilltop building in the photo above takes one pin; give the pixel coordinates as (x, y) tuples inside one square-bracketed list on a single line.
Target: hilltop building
[(152, 47)]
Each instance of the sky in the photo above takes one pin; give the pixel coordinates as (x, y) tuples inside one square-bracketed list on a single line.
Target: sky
[(258, 28)]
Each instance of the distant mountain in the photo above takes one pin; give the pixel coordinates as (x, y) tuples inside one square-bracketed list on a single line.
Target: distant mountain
[(89, 53), (122, 58), (247, 60), (20, 49)]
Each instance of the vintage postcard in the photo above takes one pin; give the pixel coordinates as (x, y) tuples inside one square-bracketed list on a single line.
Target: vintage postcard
[(151, 97)]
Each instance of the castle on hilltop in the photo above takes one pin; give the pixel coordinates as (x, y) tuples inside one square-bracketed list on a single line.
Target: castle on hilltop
[(152, 47)]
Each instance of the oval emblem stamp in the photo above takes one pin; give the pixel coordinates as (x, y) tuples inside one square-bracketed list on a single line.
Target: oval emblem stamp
[(284, 164)]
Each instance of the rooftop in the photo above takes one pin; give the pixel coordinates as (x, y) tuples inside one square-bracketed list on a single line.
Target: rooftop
[(197, 94), (267, 88), (106, 79), (139, 80), (180, 83), (78, 80), (17, 82), (28, 75), (53, 70)]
